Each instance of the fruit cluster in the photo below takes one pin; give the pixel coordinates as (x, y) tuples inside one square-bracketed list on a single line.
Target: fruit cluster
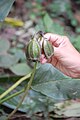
[(39, 45)]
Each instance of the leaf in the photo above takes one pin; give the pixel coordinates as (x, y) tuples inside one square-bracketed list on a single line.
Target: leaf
[(14, 22), (20, 45), (7, 60), (1, 89), (51, 26), (21, 69), (77, 43), (8, 79), (33, 103), (77, 29), (68, 109), (46, 73), (4, 45), (5, 6), (19, 53), (48, 23), (40, 26), (52, 83), (58, 29), (3, 117), (60, 90)]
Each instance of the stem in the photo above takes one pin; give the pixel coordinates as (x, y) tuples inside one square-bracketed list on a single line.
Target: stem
[(11, 96), (25, 93), (14, 86)]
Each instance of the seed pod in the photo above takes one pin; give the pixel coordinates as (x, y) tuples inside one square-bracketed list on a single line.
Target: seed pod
[(39, 36), (47, 48), (33, 50)]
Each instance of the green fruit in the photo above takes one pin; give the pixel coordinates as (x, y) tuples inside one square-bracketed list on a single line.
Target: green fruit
[(33, 50), (47, 48)]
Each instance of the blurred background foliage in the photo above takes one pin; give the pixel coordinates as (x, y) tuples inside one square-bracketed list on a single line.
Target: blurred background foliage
[(26, 18)]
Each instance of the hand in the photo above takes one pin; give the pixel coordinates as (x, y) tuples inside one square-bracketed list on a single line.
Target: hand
[(66, 58)]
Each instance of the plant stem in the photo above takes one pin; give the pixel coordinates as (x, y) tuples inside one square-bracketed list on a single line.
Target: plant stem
[(25, 93), (11, 96), (14, 86)]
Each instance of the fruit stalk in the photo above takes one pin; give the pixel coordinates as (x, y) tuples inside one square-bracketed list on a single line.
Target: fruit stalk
[(14, 86), (25, 93)]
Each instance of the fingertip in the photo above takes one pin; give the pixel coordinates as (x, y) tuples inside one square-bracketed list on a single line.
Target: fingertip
[(48, 35), (52, 35), (55, 39)]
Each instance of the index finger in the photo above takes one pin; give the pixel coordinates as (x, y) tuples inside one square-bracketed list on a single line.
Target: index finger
[(55, 39)]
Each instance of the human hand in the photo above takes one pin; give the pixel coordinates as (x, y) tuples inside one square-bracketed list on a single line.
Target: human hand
[(66, 58)]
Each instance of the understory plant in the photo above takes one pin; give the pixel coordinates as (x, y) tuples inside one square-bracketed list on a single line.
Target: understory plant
[(34, 49), (43, 79)]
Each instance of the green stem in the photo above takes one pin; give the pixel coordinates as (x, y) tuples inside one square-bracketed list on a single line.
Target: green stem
[(11, 96), (14, 86), (25, 93)]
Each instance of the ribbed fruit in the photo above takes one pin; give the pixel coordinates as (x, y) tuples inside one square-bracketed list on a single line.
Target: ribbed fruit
[(33, 50), (47, 48)]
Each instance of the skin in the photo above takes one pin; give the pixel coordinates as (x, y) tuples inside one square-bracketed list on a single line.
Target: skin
[(66, 58)]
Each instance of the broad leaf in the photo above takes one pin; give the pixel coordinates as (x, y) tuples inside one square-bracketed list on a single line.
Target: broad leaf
[(7, 60), (68, 109), (40, 26), (4, 45), (52, 26), (46, 73), (5, 6), (60, 90), (3, 117), (20, 69), (19, 53), (52, 83), (33, 103), (48, 23)]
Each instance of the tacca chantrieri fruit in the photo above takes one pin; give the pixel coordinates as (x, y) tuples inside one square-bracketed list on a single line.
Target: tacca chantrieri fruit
[(33, 50), (47, 48), (38, 45)]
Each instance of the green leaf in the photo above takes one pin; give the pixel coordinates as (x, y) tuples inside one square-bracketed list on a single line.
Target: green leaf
[(48, 23), (20, 45), (40, 26), (5, 6), (46, 73), (1, 89), (3, 117), (68, 109), (52, 83), (58, 29), (33, 103), (77, 29), (74, 22), (21, 69), (7, 60), (51, 26), (4, 45), (60, 90), (19, 53), (77, 43)]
